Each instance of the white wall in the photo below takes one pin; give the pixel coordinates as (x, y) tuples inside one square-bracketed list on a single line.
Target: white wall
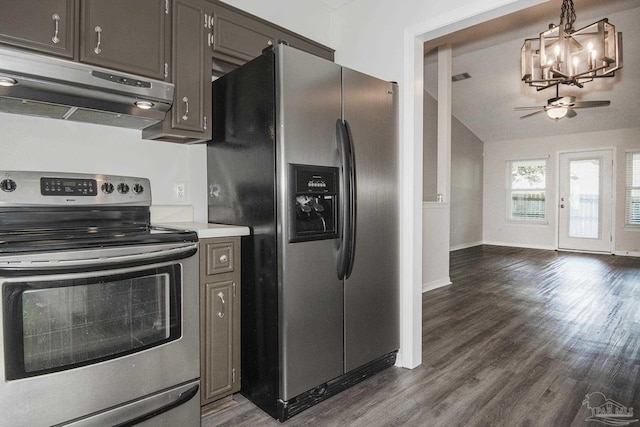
[(497, 230), (466, 187), (41, 144), (435, 245)]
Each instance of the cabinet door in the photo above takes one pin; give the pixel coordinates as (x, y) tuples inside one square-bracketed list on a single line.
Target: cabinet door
[(45, 26), (218, 373), (238, 38), (125, 35), (191, 67)]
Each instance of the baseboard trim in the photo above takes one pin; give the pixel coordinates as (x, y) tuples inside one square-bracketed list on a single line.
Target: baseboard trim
[(519, 245), (626, 253), (435, 284), (551, 248), (465, 246)]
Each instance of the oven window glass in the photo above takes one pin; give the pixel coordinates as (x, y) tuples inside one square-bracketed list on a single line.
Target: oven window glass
[(60, 325)]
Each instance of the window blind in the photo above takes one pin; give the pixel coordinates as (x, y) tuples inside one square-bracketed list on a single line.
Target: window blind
[(632, 214)]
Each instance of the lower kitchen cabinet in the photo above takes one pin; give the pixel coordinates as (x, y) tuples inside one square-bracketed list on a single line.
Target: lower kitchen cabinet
[(219, 318)]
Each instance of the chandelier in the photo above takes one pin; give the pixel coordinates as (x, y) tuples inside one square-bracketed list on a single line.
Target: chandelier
[(563, 55)]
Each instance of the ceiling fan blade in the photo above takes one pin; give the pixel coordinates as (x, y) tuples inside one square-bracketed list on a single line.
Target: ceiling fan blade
[(532, 114), (528, 108), (570, 113), (565, 100), (591, 104)]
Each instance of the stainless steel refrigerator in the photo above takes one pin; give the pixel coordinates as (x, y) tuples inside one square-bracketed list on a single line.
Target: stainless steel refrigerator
[(305, 153)]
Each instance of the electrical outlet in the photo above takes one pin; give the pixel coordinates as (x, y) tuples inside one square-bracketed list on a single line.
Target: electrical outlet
[(180, 191)]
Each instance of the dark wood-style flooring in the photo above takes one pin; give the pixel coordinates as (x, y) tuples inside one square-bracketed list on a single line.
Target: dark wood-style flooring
[(518, 339)]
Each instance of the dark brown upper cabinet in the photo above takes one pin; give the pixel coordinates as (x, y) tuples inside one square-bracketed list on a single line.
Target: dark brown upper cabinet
[(125, 35), (238, 37), (44, 26), (190, 116)]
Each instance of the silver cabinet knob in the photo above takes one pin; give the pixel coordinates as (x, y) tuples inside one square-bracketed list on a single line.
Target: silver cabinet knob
[(224, 259)]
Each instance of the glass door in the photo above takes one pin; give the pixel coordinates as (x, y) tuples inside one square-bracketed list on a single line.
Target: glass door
[(585, 201), (55, 323)]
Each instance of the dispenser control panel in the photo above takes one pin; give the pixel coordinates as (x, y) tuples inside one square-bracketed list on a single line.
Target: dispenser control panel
[(313, 210)]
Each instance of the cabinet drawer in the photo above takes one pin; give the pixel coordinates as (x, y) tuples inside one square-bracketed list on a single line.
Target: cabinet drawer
[(220, 258)]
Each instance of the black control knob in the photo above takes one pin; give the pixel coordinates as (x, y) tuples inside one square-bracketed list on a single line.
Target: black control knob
[(138, 188), (8, 185), (107, 188), (123, 188)]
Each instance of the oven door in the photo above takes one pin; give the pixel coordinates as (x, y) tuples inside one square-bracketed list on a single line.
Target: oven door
[(86, 331)]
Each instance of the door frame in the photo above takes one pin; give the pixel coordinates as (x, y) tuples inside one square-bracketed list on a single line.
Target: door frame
[(614, 167)]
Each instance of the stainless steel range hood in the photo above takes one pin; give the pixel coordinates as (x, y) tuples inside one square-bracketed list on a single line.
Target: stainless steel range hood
[(47, 86)]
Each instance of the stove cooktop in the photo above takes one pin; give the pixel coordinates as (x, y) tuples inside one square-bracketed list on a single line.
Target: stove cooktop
[(51, 211), (53, 239)]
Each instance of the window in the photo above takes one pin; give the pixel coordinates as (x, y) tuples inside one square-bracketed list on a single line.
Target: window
[(527, 185), (632, 214)]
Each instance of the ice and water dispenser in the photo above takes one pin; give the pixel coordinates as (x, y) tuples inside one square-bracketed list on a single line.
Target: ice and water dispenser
[(313, 212)]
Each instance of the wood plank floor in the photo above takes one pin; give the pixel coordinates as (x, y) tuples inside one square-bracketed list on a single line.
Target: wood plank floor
[(518, 339)]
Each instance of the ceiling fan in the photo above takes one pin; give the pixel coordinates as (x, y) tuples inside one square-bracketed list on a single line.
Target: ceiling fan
[(562, 106)]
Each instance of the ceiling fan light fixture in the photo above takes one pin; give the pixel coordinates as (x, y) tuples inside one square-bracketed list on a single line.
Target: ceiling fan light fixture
[(563, 55), (557, 113)]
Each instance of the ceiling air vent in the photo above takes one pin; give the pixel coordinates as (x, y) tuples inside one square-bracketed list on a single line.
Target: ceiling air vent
[(459, 77)]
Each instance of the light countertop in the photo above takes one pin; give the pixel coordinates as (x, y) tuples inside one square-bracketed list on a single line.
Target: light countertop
[(208, 230), (181, 217)]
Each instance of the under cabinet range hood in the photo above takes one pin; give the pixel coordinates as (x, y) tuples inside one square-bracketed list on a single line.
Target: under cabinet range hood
[(46, 86)]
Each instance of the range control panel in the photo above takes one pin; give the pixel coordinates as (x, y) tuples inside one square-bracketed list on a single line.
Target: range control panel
[(68, 186), (18, 188)]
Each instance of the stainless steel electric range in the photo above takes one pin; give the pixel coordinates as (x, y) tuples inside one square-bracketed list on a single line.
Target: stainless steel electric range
[(99, 322)]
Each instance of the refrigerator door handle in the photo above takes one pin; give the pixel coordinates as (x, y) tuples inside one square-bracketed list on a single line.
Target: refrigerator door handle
[(347, 201)]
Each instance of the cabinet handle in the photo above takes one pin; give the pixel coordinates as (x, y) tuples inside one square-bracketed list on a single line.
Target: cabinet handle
[(224, 259), (186, 113), (56, 19), (222, 311), (97, 49)]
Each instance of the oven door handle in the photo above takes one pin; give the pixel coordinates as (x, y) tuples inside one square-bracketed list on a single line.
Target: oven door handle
[(106, 257), (184, 397)]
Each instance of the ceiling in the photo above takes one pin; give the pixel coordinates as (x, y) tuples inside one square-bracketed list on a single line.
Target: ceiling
[(335, 4), (490, 53)]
